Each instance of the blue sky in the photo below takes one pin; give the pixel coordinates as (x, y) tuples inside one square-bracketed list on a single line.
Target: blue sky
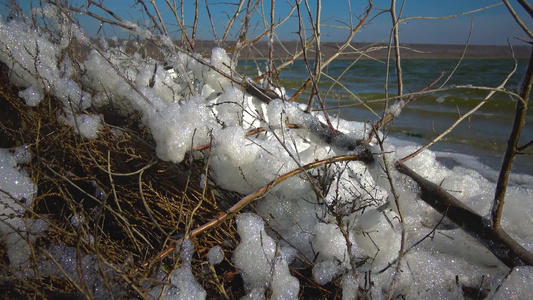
[(490, 27)]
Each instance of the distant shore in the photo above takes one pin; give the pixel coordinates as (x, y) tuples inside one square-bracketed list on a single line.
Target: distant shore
[(285, 50)]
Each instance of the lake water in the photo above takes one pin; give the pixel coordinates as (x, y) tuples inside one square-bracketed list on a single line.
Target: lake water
[(484, 135)]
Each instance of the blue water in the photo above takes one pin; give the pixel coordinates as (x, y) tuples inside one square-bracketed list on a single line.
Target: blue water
[(484, 135)]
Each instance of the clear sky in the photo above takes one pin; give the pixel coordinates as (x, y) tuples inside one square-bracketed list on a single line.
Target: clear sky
[(491, 26)]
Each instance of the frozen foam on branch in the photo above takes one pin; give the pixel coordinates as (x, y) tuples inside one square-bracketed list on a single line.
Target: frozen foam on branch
[(333, 217)]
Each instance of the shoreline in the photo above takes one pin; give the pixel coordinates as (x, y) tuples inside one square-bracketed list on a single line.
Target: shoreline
[(286, 50)]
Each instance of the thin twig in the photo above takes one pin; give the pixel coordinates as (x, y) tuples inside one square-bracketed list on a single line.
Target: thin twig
[(451, 16), (518, 20)]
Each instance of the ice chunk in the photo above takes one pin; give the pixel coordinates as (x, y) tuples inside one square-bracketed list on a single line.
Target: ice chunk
[(424, 164)]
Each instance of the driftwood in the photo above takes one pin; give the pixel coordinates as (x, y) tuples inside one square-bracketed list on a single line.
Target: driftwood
[(505, 248)]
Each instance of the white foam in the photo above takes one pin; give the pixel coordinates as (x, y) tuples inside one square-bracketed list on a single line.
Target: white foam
[(215, 255), (17, 192), (325, 271), (181, 128), (183, 285), (284, 285), (396, 108), (32, 96), (350, 287), (86, 125), (255, 254), (330, 243), (378, 234)]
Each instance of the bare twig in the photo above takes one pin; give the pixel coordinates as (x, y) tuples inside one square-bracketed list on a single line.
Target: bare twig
[(396, 47), (524, 147), (512, 148), (518, 20), (195, 23), (401, 252), (450, 16), (233, 18)]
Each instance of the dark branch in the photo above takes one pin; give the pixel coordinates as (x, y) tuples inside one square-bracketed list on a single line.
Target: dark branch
[(512, 150), (496, 240), (526, 7), (522, 148)]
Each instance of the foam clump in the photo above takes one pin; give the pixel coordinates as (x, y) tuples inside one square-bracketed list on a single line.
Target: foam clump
[(354, 188), (284, 285), (255, 253), (83, 269), (86, 125), (17, 192), (378, 235), (291, 215), (330, 243), (183, 285), (221, 63), (35, 54), (325, 271), (396, 108), (32, 96), (181, 128), (215, 255), (256, 256), (350, 287)]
